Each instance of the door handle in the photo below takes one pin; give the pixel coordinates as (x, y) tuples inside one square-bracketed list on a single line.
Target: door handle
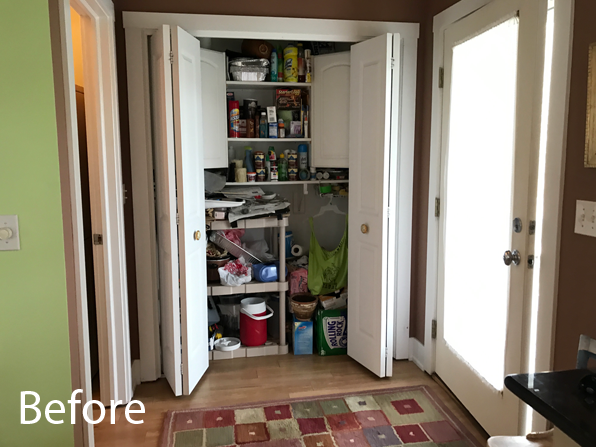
[(511, 257), (364, 228), (197, 235)]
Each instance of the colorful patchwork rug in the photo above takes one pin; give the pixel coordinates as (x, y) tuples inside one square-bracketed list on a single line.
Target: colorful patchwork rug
[(382, 418)]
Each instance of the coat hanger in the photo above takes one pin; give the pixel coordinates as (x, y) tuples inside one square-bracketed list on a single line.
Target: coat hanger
[(329, 207)]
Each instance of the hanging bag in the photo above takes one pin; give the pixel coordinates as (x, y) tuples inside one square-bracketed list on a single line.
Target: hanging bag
[(327, 270)]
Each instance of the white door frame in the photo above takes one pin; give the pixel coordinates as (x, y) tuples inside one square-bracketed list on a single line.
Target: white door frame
[(424, 355), (138, 26), (97, 23)]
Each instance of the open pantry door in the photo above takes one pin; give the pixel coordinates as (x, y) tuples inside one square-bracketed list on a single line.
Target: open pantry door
[(178, 148), (374, 105)]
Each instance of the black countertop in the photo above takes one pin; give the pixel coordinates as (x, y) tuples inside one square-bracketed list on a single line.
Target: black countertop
[(556, 396)]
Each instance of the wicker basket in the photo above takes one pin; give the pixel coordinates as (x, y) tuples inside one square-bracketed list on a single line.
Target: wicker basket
[(304, 305)]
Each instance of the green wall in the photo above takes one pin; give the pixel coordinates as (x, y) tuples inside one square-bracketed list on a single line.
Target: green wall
[(34, 349)]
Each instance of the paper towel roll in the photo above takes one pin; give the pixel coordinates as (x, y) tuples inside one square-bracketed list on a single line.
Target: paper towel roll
[(297, 250)]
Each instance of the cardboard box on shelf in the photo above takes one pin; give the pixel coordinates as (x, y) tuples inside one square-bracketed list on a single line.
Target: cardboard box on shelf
[(331, 332), (302, 336)]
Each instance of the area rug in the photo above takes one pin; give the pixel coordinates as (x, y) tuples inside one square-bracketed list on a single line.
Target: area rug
[(381, 418)]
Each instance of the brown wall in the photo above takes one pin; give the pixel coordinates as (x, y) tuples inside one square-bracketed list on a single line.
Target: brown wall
[(576, 311), (373, 10)]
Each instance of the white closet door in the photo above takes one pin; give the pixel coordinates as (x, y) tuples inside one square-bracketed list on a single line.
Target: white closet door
[(331, 110), (371, 257), (165, 192), (213, 89), (192, 241)]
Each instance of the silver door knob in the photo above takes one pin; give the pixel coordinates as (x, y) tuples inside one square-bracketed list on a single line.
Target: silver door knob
[(511, 257)]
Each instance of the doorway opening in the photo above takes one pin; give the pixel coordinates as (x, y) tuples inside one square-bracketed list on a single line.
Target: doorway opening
[(77, 47)]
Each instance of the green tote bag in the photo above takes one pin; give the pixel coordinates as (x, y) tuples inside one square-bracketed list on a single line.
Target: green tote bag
[(327, 270)]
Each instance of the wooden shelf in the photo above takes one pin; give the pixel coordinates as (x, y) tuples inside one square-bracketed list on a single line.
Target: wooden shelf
[(297, 182), (266, 85), (270, 140), (251, 287)]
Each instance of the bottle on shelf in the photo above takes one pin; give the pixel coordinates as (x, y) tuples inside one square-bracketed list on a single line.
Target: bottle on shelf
[(263, 125), (291, 63), (248, 160), (281, 128), (273, 65), (273, 173), (280, 64), (301, 64), (308, 65), (282, 168)]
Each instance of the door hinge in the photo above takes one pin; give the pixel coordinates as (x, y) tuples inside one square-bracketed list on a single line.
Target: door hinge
[(433, 330), (171, 57), (97, 239), (532, 227), (437, 207), (392, 63), (388, 213), (182, 368), (124, 191), (441, 77), (530, 261), (177, 219)]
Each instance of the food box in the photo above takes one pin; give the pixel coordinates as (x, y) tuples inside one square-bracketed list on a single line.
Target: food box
[(331, 332), (288, 99), (302, 335)]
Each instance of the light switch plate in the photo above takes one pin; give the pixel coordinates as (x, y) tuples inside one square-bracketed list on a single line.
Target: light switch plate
[(585, 218), (10, 221)]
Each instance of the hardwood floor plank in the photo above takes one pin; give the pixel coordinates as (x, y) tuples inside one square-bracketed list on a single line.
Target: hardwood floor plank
[(248, 380)]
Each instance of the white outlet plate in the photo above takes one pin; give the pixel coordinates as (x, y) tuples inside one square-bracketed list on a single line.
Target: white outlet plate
[(585, 218), (10, 221)]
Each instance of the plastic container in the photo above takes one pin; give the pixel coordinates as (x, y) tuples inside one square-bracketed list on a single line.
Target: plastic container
[(266, 272), (249, 69), (291, 64), (229, 312), (289, 242), (254, 314)]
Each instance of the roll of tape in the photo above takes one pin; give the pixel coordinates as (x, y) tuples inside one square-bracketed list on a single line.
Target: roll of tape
[(297, 250)]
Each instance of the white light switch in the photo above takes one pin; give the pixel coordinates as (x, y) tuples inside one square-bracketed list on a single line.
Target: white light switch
[(585, 218), (9, 233)]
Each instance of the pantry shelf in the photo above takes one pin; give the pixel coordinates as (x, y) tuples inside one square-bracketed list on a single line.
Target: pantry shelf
[(269, 348), (298, 182), (251, 287), (246, 224), (270, 140), (266, 85)]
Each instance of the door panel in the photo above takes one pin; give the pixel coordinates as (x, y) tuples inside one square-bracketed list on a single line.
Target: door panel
[(213, 90), (489, 95), (371, 148), (331, 110), (165, 192), (188, 129)]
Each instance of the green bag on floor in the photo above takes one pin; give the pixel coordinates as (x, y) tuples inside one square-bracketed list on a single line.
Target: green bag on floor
[(327, 270)]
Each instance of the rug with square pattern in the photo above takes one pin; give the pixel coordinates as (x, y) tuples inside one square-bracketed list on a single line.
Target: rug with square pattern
[(382, 418)]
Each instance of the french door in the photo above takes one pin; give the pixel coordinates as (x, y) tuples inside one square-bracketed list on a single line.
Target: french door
[(491, 66)]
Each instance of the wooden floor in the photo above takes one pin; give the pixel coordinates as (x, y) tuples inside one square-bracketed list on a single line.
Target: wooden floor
[(246, 380)]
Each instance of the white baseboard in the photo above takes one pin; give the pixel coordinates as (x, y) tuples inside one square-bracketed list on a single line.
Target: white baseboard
[(136, 373), (416, 353)]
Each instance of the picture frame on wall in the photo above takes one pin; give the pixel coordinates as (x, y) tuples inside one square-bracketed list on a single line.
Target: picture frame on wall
[(590, 151)]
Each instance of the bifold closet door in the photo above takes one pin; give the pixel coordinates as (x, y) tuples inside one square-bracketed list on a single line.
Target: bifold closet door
[(374, 69), (178, 147)]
